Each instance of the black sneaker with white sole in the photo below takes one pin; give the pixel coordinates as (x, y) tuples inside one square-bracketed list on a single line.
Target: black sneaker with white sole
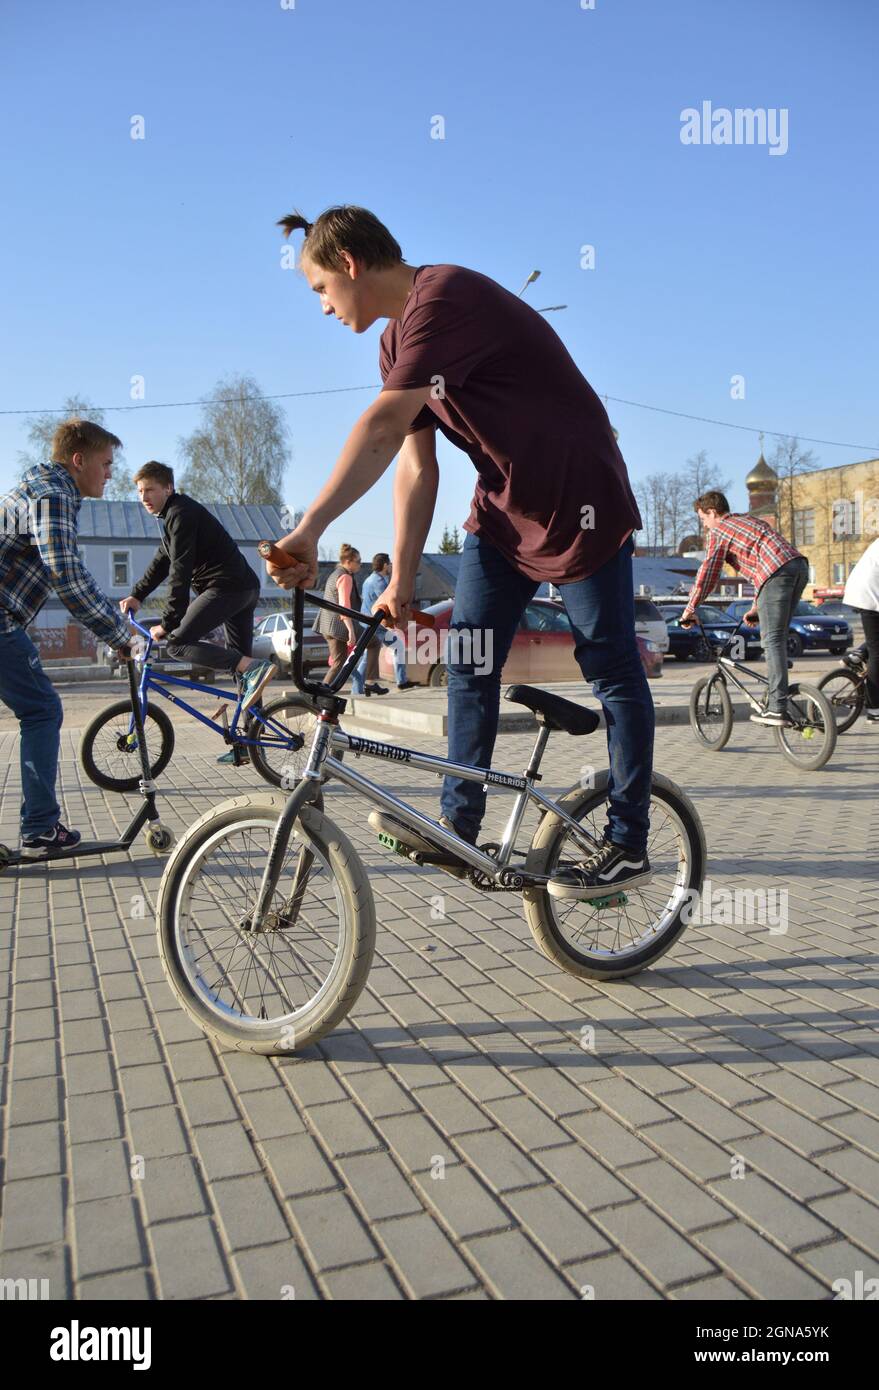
[(50, 842), (872, 716), (611, 869), (776, 719)]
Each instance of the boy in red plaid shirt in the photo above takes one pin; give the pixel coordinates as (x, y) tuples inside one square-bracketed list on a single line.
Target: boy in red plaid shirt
[(776, 569)]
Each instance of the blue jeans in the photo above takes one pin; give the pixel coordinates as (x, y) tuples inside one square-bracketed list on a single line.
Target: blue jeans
[(776, 602), (27, 690), (358, 678), (491, 596)]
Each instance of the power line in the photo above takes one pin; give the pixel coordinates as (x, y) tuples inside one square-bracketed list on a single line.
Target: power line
[(376, 386)]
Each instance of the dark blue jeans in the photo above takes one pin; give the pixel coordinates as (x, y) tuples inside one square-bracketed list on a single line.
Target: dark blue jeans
[(27, 690), (490, 598)]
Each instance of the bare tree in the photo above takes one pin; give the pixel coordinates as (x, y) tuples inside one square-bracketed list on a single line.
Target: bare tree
[(790, 463), (41, 428), (239, 452)]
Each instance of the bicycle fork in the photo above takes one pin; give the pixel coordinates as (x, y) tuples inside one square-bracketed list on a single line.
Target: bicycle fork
[(263, 919)]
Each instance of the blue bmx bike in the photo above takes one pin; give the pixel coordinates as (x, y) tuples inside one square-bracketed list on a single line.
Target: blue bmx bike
[(269, 736)]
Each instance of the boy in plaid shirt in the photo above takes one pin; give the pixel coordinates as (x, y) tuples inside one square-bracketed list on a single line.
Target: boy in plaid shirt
[(776, 569), (39, 553)]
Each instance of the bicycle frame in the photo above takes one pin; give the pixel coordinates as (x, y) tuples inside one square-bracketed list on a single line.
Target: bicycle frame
[(730, 665), (328, 736), (150, 681)]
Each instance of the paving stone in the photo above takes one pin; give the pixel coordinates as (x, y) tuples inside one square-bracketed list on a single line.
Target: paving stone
[(276, 1272), (272, 1113), (202, 1273), (100, 1169), (125, 1285), (332, 1231), (342, 1128), (35, 1151), (249, 1212), (33, 1212), (500, 1161), (225, 1151), (363, 1284), (171, 1188), (762, 1268), (795, 1175), (298, 1165), (107, 1234), (688, 1204), (514, 1269), (378, 1185), (852, 1216), (46, 1265), (562, 1231), (652, 1243), (462, 1202)]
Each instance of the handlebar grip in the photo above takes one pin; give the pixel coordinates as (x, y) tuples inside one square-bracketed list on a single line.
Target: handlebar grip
[(275, 556)]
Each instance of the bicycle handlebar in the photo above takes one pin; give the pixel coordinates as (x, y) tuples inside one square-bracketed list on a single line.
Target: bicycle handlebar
[(370, 622), (282, 560)]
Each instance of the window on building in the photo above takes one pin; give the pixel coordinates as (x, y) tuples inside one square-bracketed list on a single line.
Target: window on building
[(839, 573), (804, 526), (811, 574), (119, 567)]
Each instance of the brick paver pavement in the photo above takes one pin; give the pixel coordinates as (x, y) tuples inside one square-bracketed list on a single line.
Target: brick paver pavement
[(454, 1139)]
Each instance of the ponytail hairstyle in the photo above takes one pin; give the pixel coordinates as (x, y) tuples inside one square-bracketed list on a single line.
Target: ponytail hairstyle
[(345, 228)]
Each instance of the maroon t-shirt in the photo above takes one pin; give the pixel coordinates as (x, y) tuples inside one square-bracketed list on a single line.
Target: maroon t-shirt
[(508, 393)]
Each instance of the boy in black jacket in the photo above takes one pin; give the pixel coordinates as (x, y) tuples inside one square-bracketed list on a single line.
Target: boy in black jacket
[(197, 552)]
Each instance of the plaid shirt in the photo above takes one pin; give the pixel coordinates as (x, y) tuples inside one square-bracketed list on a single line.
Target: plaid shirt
[(39, 553), (746, 543)]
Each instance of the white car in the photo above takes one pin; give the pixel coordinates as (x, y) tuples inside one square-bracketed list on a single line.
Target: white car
[(650, 624), (273, 636)]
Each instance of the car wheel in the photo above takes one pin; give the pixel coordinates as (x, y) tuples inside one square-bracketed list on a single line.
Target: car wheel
[(439, 677), (794, 644)]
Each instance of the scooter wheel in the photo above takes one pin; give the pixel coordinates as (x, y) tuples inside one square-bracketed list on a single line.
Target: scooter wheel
[(159, 838)]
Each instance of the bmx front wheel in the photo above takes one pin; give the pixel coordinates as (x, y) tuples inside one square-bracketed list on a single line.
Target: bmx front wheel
[(711, 712), (808, 742), (611, 939), (108, 748), (845, 694), (280, 985)]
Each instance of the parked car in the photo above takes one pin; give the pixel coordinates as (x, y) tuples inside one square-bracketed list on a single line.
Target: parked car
[(273, 641), (835, 608), (685, 643), (542, 650), (650, 623), (810, 629), (718, 626)]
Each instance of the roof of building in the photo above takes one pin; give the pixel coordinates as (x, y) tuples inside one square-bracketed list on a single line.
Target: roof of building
[(118, 521)]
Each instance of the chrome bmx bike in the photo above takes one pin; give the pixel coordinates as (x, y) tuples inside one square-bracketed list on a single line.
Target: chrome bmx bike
[(265, 914)]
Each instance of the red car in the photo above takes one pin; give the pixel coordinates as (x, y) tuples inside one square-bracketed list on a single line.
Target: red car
[(542, 650)]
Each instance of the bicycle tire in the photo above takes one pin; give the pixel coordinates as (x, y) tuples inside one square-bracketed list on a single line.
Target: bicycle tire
[(855, 707), (545, 850), (351, 969), (824, 753), (117, 711), (714, 689), (286, 777)]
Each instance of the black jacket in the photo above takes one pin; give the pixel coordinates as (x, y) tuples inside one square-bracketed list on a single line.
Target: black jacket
[(196, 552)]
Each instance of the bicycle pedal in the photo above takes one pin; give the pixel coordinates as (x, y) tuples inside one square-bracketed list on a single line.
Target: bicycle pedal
[(394, 845), (600, 904)]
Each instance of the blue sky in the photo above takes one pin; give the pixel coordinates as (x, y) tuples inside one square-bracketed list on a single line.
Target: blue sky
[(160, 257)]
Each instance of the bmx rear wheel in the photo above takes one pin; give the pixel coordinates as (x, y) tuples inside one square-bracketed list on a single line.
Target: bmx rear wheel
[(283, 730), (108, 748), (606, 942), (811, 739)]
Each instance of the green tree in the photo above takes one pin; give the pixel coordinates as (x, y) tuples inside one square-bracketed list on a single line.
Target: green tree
[(450, 544), (239, 451), (40, 429)]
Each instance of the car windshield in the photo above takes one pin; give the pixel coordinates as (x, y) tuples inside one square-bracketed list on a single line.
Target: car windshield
[(712, 615), (805, 610)]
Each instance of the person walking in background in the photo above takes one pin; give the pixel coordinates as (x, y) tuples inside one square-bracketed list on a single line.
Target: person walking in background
[(776, 569), (342, 588), (373, 588), (862, 592), (39, 553)]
